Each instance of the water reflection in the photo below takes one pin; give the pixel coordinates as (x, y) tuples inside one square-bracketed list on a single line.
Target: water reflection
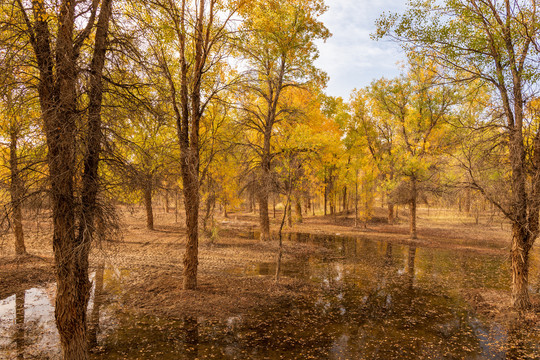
[(98, 297), (19, 323), (372, 306), (410, 265), (388, 255), (27, 328), (27, 325), (191, 342), (370, 299)]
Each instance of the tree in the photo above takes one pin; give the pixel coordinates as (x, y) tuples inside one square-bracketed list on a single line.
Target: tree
[(278, 45), (19, 128), (337, 166), (419, 110), (404, 123), (495, 42), (193, 69), (57, 41), (13, 128), (146, 151), (373, 129)]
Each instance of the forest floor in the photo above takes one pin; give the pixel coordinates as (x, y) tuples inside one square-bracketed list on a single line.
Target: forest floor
[(151, 261)]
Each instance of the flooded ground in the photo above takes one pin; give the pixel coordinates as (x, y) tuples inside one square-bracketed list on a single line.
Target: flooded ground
[(374, 300)]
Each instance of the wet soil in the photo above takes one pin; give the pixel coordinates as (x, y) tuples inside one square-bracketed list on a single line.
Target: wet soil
[(22, 272), (341, 287)]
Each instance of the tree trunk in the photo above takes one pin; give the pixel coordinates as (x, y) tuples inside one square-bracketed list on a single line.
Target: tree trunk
[(280, 231), (250, 201), (519, 255), (264, 219), (190, 174), (209, 209), (345, 204), (289, 214), (325, 200), (148, 206), (414, 195), (167, 209), (390, 213), (524, 224), (365, 191), (299, 218), (57, 88), (176, 205), (264, 190), (468, 201), (356, 200), (16, 192)]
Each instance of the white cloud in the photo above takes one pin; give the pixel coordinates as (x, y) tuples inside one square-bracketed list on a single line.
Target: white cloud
[(350, 57)]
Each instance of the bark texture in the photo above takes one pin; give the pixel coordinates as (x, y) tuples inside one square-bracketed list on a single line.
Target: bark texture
[(59, 79), (148, 205)]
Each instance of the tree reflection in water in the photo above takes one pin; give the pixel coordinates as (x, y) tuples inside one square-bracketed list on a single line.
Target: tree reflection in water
[(19, 323), (378, 299), (93, 324), (191, 342)]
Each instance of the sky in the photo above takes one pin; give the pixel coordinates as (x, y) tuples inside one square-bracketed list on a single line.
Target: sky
[(350, 58)]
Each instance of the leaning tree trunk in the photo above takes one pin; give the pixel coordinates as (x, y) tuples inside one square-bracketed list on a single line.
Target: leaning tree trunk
[(289, 215), (16, 195)]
